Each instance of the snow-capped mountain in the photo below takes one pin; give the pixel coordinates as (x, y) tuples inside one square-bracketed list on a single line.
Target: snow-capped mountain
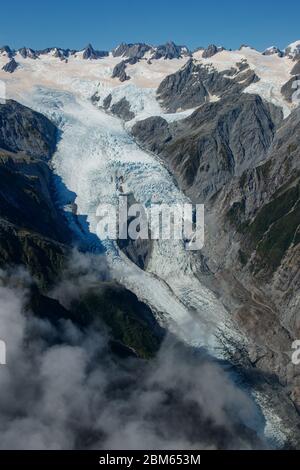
[(210, 126), (273, 50), (146, 66), (293, 50)]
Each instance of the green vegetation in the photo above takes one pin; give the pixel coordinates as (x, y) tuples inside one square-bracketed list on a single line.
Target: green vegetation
[(131, 322), (236, 214), (280, 236), (273, 211), (275, 228)]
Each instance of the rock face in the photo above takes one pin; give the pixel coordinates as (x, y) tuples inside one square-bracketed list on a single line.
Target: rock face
[(272, 51), (57, 52), (137, 50), (211, 50), (11, 66), (153, 133), (90, 53), (107, 101), (289, 89), (293, 50), (26, 52), (22, 129), (195, 84), (60, 54), (259, 212), (32, 231), (170, 51), (6, 50), (120, 108), (296, 68), (119, 71), (139, 250), (134, 51), (47, 50), (218, 141)]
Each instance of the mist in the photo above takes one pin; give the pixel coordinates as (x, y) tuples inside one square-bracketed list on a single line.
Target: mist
[(63, 388)]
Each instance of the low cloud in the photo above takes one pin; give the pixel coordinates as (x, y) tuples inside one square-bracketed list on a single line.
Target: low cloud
[(83, 271), (63, 389)]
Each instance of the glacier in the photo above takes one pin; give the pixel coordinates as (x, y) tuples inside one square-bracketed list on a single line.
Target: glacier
[(93, 147)]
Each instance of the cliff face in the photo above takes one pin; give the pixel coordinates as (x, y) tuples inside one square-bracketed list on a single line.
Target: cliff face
[(196, 84), (260, 213), (22, 129), (253, 233), (216, 143), (32, 231)]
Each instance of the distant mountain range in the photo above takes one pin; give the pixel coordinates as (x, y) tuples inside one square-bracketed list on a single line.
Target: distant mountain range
[(138, 50)]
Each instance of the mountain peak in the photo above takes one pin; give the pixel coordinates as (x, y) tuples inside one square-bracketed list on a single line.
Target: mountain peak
[(6, 50), (11, 66), (27, 52), (131, 50), (272, 50), (170, 50), (293, 50), (211, 50), (89, 53)]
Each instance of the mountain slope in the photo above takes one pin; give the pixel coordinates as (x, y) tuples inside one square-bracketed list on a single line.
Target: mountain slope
[(241, 158)]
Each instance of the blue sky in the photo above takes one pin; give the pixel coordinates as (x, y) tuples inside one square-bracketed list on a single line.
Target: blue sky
[(72, 23)]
